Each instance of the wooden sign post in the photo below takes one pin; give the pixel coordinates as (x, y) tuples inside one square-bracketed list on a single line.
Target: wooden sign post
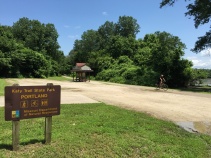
[(15, 135), (48, 129)]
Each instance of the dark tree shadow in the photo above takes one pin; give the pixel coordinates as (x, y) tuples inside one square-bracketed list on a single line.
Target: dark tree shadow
[(197, 89), (32, 141), (6, 146)]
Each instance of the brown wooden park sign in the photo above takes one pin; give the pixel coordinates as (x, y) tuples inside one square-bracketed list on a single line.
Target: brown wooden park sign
[(25, 102)]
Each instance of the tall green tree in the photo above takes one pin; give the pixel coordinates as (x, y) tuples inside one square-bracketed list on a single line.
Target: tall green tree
[(37, 36), (143, 56), (7, 45), (7, 41), (41, 38), (29, 32), (127, 26), (50, 43), (119, 46), (166, 57), (106, 31), (82, 48), (200, 10), (116, 39), (30, 49)]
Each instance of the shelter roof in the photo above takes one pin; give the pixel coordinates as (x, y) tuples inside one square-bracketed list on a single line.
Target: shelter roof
[(81, 67), (80, 64)]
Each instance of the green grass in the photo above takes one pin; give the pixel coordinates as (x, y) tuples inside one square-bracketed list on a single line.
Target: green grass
[(60, 78), (3, 83), (99, 130)]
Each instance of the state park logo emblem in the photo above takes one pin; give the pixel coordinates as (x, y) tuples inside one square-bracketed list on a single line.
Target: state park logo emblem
[(16, 114)]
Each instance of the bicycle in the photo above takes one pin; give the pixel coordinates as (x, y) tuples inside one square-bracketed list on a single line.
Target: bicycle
[(163, 86)]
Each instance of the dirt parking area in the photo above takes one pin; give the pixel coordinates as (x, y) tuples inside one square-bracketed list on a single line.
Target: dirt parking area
[(170, 105)]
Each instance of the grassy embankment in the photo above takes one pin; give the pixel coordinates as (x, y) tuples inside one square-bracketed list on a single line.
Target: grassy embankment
[(100, 130)]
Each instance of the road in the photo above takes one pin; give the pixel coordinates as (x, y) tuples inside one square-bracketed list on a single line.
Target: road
[(172, 105)]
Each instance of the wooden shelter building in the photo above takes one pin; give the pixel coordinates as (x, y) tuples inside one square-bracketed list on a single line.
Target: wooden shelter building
[(81, 72)]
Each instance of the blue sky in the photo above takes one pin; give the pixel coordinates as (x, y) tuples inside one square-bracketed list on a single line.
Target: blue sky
[(73, 17)]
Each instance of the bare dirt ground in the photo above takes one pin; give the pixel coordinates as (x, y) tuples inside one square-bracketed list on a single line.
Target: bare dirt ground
[(172, 105)]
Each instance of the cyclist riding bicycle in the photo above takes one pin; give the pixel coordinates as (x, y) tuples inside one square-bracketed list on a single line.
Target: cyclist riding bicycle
[(161, 80)]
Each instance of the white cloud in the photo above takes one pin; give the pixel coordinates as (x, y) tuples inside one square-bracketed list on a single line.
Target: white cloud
[(201, 62), (198, 63), (206, 52), (105, 13)]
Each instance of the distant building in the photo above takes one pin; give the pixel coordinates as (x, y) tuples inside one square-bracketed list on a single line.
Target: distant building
[(81, 72)]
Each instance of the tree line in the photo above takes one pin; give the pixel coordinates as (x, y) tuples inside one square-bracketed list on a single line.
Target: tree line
[(117, 56), (30, 48)]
